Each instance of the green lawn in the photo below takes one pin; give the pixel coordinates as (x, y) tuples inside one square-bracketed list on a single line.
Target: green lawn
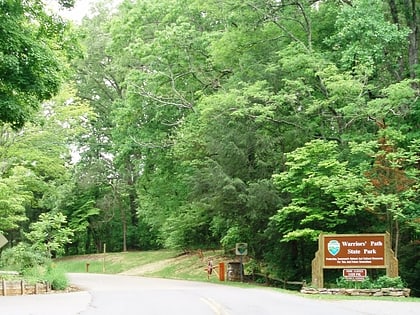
[(111, 263)]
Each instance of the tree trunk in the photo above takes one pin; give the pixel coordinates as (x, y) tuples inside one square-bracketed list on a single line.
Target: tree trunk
[(397, 238), (412, 23), (409, 9)]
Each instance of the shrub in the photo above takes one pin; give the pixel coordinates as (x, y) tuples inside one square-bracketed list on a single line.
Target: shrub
[(367, 283), (409, 263), (57, 278), (33, 265), (22, 257), (388, 282)]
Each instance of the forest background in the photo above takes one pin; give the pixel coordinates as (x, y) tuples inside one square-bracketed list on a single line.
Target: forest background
[(199, 124)]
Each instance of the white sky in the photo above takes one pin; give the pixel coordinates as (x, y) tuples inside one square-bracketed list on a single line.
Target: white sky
[(80, 10), (76, 14)]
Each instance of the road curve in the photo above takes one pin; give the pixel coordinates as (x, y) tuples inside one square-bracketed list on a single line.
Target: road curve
[(130, 295)]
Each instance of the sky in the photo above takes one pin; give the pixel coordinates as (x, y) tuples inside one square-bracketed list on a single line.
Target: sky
[(76, 14), (80, 9)]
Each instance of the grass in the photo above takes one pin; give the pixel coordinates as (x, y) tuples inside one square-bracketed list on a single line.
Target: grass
[(168, 264), (349, 297), (111, 263)]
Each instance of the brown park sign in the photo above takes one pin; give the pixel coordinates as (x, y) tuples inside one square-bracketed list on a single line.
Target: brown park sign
[(343, 251)]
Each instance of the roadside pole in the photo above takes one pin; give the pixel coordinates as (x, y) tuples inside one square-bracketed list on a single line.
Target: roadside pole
[(241, 250), (103, 263)]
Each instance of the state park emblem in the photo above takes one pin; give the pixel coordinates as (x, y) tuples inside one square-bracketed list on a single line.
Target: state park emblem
[(333, 247)]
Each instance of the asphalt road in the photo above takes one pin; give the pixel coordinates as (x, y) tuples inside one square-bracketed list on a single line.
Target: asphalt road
[(130, 295)]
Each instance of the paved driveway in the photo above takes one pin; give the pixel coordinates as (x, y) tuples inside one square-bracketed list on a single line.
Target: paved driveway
[(126, 295)]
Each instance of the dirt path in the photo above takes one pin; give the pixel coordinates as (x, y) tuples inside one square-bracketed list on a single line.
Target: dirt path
[(149, 268)]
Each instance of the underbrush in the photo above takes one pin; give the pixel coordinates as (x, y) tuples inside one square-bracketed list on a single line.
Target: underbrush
[(367, 283), (23, 263)]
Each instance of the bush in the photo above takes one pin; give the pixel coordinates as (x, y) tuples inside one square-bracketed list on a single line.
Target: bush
[(33, 265), (21, 258), (57, 278), (409, 263), (344, 283), (388, 282), (367, 283), (34, 274)]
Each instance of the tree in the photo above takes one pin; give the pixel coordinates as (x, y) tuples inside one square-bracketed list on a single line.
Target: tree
[(395, 179), (199, 103), (36, 161), (13, 198), (367, 43), (405, 14), (164, 65), (30, 65), (324, 196), (49, 234)]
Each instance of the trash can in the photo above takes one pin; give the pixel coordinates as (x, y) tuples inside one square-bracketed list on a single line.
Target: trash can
[(234, 271)]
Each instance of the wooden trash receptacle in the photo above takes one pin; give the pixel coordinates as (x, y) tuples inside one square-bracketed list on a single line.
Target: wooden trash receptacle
[(234, 271)]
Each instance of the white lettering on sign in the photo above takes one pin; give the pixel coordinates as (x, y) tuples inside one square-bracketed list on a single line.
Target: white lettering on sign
[(355, 274), (369, 251), (378, 243), (353, 244), (353, 251)]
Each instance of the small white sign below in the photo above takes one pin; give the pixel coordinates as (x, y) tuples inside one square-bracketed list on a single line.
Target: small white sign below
[(355, 274)]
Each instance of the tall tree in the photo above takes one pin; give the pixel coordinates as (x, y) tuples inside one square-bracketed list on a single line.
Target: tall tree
[(406, 14), (30, 65), (199, 103)]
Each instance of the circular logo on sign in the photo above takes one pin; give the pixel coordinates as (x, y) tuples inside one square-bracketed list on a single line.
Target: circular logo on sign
[(333, 247)]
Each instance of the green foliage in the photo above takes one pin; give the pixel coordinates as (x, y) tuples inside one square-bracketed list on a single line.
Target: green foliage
[(232, 236), (22, 258), (30, 65), (364, 37), (49, 234), (33, 265), (56, 277), (206, 123), (324, 192), (367, 283), (14, 196), (387, 282), (188, 229), (409, 266)]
